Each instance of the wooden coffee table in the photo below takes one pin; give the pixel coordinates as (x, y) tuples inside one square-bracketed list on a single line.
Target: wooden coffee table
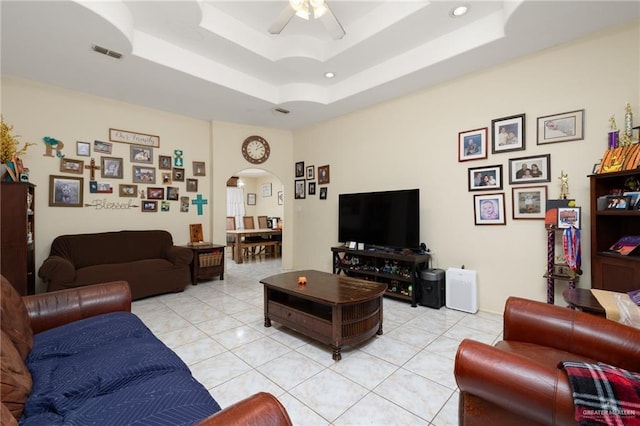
[(332, 309)]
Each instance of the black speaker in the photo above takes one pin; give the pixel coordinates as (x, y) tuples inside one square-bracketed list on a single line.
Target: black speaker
[(432, 290)]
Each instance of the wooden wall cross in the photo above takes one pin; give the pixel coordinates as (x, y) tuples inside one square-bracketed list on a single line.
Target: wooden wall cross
[(92, 166)]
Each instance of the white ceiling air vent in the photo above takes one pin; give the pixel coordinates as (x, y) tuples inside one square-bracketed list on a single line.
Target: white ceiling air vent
[(106, 51)]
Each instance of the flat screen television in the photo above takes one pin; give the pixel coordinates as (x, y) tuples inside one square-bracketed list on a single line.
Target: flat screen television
[(390, 219)]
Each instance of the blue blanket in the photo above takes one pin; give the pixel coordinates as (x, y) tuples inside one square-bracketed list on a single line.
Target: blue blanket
[(111, 370)]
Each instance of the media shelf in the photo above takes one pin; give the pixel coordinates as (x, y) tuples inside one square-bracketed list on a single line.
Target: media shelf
[(399, 271), (609, 270)]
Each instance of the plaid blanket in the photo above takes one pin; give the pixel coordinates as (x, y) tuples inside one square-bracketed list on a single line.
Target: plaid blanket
[(604, 394)]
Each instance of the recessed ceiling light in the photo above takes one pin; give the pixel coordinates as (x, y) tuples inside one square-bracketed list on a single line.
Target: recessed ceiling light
[(459, 11), (329, 74)]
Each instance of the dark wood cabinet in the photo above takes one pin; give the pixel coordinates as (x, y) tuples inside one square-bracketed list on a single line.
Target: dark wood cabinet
[(399, 271), (17, 205), (610, 270)]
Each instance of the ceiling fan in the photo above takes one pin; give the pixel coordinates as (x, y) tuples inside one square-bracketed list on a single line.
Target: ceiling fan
[(303, 9)]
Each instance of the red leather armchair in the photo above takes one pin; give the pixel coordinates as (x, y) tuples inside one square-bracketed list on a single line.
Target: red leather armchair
[(518, 381)]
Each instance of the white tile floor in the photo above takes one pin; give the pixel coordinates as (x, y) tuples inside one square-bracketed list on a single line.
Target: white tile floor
[(404, 377)]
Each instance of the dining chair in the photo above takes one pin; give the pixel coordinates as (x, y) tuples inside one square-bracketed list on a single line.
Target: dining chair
[(248, 222), (263, 222), (231, 239)]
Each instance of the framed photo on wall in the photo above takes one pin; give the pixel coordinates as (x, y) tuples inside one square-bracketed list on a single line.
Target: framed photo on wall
[(141, 154), (488, 209), (68, 165), (310, 173), (485, 178), (508, 134), (300, 189), (251, 199), (529, 202), (173, 193), (149, 206), (568, 217), (83, 149), (199, 168), (472, 145), (144, 174), (164, 162), (155, 193), (178, 174), (323, 193), (323, 175), (111, 167), (530, 169), (300, 169), (65, 191), (125, 190), (102, 147), (192, 185), (568, 126)]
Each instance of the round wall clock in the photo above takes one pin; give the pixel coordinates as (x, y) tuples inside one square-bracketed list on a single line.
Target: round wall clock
[(255, 149)]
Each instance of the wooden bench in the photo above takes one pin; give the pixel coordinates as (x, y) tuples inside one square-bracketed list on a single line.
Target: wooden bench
[(265, 243)]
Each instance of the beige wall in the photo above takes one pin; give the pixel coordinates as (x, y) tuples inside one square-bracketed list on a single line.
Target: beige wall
[(228, 161), (36, 111), (407, 143), (267, 205), (412, 143)]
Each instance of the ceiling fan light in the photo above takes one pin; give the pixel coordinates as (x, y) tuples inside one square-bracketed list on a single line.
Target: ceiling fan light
[(297, 4), (319, 8), (303, 11)]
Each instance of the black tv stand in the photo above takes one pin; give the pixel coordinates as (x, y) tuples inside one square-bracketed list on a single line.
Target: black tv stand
[(398, 270)]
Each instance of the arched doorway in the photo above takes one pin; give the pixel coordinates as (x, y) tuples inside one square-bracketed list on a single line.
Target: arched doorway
[(255, 192)]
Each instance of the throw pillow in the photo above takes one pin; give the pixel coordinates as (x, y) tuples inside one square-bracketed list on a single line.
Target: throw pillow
[(14, 319), (15, 378)]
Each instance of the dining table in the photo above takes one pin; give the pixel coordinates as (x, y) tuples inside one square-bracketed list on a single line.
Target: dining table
[(241, 234)]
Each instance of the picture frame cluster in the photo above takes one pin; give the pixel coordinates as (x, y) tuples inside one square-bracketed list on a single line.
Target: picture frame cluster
[(525, 173), (143, 175), (305, 181)]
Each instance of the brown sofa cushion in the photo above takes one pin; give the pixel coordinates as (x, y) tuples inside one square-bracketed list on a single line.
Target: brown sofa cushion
[(14, 319), (112, 247), (15, 382)]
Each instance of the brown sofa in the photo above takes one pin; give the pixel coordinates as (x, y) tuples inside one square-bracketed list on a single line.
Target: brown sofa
[(147, 260), (23, 318), (518, 381)]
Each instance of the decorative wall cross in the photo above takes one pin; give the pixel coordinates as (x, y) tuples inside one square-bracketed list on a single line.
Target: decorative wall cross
[(92, 166), (199, 201)]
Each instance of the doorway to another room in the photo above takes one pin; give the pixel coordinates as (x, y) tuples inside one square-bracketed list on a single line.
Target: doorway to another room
[(255, 210)]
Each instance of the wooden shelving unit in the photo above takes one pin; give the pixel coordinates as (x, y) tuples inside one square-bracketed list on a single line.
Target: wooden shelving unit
[(609, 270), (17, 237)]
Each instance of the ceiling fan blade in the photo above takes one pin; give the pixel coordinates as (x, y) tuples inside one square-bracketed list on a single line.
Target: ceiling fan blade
[(332, 24), (282, 21)]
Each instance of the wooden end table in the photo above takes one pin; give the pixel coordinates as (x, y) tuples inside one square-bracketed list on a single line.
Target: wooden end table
[(208, 261), (584, 300), (331, 309)]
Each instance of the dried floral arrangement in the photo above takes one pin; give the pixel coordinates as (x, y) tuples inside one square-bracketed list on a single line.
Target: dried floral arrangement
[(9, 143)]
